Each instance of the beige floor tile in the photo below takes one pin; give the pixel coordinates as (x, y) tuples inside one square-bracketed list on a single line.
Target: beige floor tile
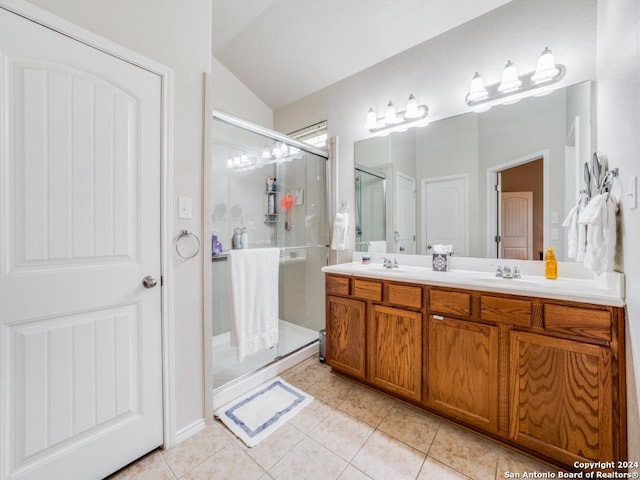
[(308, 461), (149, 467), (306, 374), (509, 461), (333, 390), (352, 473), (367, 405), (196, 449), (275, 446), (383, 457), (342, 434), (229, 463), (410, 426), (434, 470), (311, 416), (465, 452)]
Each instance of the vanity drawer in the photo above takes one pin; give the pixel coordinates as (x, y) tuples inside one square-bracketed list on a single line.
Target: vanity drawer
[(584, 322), (367, 289), (337, 285), (453, 303), (405, 295), (505, 310)]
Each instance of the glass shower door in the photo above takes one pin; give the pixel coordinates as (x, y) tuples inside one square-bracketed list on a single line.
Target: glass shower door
[(276, 194)]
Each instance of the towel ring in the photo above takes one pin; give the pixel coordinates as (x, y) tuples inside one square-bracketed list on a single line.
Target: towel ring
[(184, 234)]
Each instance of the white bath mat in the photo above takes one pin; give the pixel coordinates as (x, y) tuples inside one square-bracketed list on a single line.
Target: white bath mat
[(259, 413)]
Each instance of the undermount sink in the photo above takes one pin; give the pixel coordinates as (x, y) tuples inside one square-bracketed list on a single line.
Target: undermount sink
[(511, 282)]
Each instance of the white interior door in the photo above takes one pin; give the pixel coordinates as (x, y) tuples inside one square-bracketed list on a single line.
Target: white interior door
[(445, 213), (80, 355), (517, 225), (406, 214)]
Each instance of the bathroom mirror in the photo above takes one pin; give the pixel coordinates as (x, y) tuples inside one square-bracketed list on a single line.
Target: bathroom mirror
[(441, 179)]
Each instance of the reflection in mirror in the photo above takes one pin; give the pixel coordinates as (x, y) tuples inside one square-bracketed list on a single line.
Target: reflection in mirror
[(492, 184), (370, 210)]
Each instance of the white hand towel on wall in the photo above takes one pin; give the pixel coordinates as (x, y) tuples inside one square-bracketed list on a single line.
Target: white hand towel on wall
[(378, 246), (577, 233), (253, 287), (340, 239), (600, 218)]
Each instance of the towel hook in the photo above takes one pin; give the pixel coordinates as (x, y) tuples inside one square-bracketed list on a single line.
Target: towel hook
[(184, 234)]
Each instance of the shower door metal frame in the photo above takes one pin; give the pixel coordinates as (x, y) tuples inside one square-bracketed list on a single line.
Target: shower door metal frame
[(207, 281)]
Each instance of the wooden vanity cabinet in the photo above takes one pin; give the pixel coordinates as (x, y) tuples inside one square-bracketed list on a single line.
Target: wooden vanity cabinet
[(396, 350), (463, 362), (561, 402), (346, 335), (545, 376)]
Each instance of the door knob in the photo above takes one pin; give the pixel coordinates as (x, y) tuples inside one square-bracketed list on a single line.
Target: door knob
[(149, 281), (429, 246)]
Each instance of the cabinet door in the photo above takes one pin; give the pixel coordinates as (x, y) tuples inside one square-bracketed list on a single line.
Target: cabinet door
[(345, 336), (463, 370), (561, 397), (396, 352)]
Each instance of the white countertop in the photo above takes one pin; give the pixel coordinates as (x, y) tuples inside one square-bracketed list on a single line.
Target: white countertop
[(579, 287)]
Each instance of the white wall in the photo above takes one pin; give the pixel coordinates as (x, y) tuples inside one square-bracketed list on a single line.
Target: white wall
[(232, 96), (438, 72), (618, 123), (176, 34)]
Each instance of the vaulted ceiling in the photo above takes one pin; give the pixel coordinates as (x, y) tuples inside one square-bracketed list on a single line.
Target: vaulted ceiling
[(284, 50)]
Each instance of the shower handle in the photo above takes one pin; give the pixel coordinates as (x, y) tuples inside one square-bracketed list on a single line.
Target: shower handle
[(149, 281)]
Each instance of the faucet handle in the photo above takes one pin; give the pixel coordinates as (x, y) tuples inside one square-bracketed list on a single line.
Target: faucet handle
[(395, 263), (516, 272), (498, 271)]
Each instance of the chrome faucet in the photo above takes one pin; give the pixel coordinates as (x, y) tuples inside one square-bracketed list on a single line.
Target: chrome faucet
[(508, 272), (390, 262)]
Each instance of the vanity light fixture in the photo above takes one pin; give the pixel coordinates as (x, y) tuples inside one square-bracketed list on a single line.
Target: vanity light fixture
[(513, 86), (415, 115)]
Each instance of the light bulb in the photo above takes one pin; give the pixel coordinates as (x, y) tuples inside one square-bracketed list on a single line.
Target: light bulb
[(510, 81), (372, 119), (476, 89), (546, 69), (390, 117), (413, 110)]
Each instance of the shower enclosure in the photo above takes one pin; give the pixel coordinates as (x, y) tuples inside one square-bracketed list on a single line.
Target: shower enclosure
[(371, 210), (271, 191)]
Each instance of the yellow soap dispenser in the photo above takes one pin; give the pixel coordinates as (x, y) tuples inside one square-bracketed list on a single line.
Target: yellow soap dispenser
[(550, 265)]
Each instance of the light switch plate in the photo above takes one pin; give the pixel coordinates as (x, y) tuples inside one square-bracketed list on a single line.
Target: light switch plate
[(554, 217), (184, 207), (554, 234)]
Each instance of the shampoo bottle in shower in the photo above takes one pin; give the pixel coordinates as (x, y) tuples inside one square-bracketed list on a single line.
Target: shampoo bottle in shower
[(550, 265), (216, 246), (245, 238)]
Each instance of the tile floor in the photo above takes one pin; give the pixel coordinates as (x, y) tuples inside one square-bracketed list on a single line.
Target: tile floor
[(348, 433)]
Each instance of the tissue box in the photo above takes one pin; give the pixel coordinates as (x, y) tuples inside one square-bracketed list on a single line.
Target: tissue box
[(439, 262)]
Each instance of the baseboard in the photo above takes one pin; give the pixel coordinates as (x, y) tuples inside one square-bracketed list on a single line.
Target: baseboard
[(227, 393), (189, 430)]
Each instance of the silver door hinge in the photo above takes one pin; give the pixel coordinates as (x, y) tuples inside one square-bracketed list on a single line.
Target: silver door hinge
[(498, 238), (498, 187), (161, 280)]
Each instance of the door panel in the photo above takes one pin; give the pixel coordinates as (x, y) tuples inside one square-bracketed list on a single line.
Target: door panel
[(517, 225), (406, 214), (79, 229), (445, 207)]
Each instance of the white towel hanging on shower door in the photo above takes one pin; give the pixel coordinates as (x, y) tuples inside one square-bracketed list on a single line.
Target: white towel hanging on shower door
[(253, 289), (340, 240)]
